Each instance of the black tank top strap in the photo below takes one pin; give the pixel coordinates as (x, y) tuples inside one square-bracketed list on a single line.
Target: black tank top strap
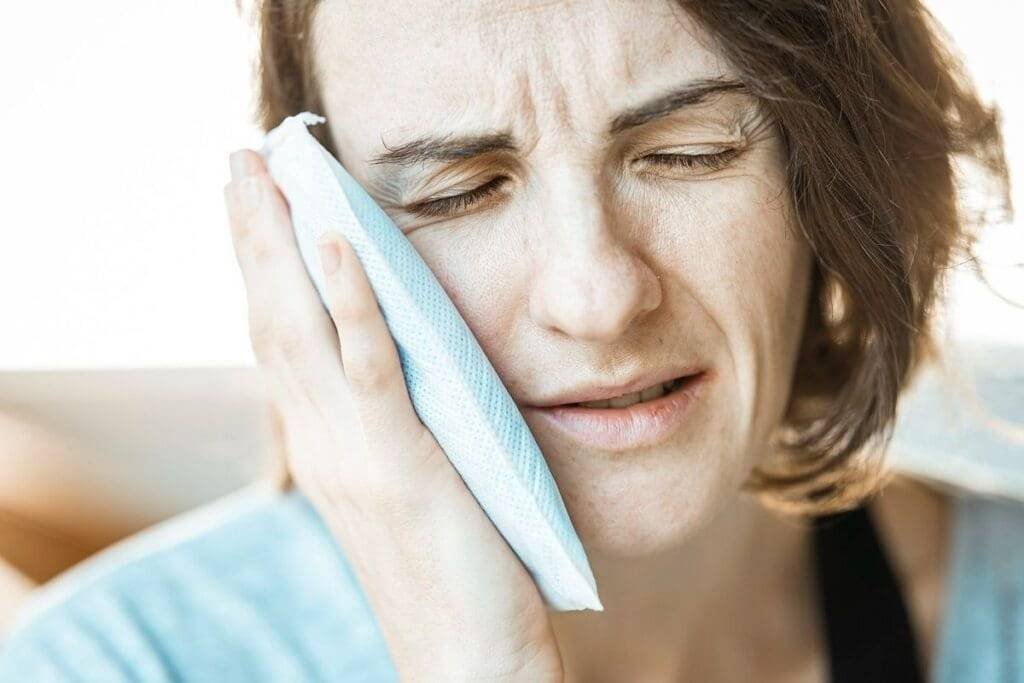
[(867, 626)]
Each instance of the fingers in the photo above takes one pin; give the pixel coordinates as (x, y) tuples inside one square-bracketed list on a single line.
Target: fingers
[(340, 368), (288, 325), (261, 231), (404, 452)]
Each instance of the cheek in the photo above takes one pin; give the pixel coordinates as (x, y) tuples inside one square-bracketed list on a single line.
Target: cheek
[(472, 264), (762, 269), (731, 247), (760, 284), (748, 253), (727, 243)]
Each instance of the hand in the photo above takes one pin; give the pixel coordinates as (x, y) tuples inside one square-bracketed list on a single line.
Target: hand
[(451, 598)]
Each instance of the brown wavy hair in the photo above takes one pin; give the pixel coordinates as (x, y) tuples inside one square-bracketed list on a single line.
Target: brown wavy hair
[(877, 114)]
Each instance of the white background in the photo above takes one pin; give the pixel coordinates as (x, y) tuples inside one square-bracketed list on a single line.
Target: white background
[(117, 119)]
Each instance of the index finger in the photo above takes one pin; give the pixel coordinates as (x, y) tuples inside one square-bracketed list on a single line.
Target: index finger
[(290, 327)]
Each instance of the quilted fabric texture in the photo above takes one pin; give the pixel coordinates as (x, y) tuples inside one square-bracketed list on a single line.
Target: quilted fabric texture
[(454, 388)]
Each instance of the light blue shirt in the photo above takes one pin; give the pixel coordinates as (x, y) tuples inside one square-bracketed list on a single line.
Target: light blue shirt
[(251, 588), (254, 588)]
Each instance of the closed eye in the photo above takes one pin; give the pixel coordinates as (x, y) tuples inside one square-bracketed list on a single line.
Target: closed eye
[(446, 206), (713, 162), (459, 202)]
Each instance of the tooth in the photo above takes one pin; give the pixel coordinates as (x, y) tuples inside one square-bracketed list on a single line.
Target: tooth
[(595, 404), (624, 401), (627, 400), (652, 392)]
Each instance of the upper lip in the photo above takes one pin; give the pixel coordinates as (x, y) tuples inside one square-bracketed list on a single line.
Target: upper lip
[(599, 392)]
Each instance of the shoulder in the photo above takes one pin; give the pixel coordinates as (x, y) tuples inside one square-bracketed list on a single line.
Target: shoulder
[(251, 587), (982, 636), (930, 523), (959, 557), (988, 542)]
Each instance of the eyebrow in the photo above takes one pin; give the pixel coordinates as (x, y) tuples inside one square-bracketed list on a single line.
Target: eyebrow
[(448, 147), (690, 94)]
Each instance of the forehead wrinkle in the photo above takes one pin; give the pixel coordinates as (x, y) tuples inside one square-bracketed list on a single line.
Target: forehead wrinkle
[(551, 70), (521, 50), (561, 97), (526, 111), (550, 95)]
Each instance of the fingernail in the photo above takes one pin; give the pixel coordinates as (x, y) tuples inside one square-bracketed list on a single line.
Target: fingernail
[(241, 165), (252, 192), (330, 255)]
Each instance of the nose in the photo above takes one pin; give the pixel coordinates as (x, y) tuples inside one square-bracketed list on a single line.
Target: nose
[(591, 283)]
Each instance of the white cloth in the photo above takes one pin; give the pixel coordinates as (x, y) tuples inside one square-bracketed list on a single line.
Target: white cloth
[(454, 388)]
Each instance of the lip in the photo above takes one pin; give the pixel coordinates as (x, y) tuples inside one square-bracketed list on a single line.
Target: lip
[(620, 429), (599, 392)]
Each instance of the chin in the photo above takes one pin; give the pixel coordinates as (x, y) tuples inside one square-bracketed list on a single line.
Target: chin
[(644, 506)]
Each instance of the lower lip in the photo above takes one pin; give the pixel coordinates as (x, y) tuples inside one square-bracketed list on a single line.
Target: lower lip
[(620, 429)]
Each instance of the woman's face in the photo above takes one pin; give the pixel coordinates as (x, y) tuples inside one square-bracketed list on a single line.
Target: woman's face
[(580, 261)]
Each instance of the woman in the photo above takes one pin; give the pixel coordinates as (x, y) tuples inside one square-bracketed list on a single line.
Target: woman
[(757, 198)]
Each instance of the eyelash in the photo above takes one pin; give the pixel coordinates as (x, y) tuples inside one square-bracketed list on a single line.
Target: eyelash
[(459, 202), (713, 162)]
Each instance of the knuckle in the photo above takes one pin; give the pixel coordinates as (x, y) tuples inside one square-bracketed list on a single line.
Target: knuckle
[(276, 337), (260, 250), (290, 341), (356, 309), (369, 374), (251, 243), (246, 240)]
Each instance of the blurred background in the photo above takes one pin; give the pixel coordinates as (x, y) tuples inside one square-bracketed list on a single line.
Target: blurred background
[(128, 390)]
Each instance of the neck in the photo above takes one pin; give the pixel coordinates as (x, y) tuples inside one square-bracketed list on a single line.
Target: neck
[(739, 576)]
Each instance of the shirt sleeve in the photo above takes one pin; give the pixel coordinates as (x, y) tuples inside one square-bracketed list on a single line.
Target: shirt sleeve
[(73, 650), (257, 593)]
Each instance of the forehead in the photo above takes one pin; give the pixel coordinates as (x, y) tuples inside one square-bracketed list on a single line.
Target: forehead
[(404, 67)]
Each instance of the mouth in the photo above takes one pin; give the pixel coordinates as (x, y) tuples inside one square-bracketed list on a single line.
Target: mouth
[(651, 393), (643, 418)]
